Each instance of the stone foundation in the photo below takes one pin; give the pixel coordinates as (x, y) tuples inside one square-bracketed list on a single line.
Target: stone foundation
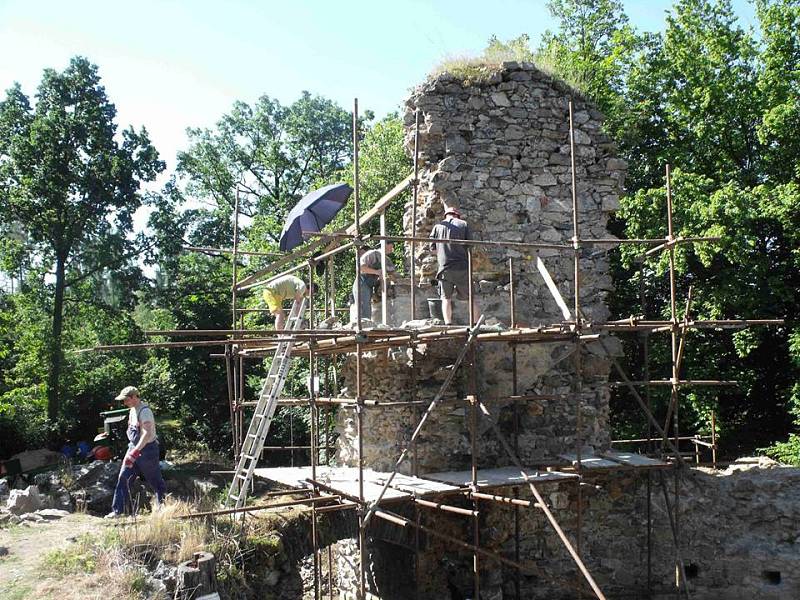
[(738, 530)]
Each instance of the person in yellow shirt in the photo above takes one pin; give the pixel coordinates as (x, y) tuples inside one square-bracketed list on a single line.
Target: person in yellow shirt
[(279, 291)]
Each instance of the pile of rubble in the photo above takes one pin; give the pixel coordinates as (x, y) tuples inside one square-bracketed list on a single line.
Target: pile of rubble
[(29, 505), (89, 488), (55, 494)]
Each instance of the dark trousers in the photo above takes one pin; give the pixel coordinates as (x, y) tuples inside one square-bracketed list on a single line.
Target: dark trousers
[(147, 467), (367, 282)]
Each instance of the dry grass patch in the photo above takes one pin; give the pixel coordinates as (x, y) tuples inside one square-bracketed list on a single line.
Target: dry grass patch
[(161, 533), (469, 69), (480, 69), (93, 567), (114, 563)]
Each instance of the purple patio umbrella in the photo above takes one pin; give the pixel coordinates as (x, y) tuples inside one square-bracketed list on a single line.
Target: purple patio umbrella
[(312, 213)]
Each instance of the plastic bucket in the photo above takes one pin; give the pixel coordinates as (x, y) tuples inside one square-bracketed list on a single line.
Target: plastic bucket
[(435, 308)]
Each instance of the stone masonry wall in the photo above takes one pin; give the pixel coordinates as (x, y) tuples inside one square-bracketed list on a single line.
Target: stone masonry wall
[(739, 541), (500, 151), (738, 538)]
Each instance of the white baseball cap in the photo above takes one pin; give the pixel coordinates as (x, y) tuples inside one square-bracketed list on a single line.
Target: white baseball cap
[(127, 392)]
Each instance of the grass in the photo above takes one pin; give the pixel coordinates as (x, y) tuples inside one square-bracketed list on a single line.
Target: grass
[(469, 69), (476, 70), (114, 561), (161, 533), (94, 566), (18, 592), (80, 557)]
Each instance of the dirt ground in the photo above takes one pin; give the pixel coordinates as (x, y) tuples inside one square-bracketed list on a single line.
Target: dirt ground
[(22, 572)]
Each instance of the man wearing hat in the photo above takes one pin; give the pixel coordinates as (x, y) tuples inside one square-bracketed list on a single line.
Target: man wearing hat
[(452, 260), (142, 456)]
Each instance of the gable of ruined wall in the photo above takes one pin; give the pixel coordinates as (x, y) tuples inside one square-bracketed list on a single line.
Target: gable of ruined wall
[(500, 150)]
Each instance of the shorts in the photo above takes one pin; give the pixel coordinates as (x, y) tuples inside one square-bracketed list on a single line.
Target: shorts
[(454, 279), (274, 302)]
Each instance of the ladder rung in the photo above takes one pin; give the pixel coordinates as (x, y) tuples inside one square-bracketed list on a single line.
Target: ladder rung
[(240, 476), (247, 456)]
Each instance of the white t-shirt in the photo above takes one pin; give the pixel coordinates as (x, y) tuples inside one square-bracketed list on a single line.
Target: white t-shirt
[(143, 415)]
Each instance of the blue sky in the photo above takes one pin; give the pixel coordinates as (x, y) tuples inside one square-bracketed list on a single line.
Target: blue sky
[(172, 64)]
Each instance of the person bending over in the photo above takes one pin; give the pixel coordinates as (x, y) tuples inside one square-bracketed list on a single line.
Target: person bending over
[(369, 269), (279, 291)]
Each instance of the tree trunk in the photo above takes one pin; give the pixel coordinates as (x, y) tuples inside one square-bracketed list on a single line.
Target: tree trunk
[(53, 395), (196, 577)]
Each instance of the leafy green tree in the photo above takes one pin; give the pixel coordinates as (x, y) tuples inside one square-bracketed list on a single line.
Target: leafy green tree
[(591, 49), (710, 111), (192, 291), (711, 101), (720, 106), (517, 48), (779, 83), (598, 52), (68, 182), (383, 164), (89, 380), (273, 154)]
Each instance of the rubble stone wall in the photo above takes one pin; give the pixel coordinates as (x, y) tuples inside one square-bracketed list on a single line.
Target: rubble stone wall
[(499, 150), (737, 529)]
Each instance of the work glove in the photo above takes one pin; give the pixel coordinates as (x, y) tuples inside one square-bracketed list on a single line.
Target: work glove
[(131, 457)]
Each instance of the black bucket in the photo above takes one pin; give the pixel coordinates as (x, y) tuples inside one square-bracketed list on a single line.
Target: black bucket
[(435, 308)]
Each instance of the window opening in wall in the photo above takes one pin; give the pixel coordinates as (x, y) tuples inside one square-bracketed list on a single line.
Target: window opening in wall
[(692, 571), (772, 577)]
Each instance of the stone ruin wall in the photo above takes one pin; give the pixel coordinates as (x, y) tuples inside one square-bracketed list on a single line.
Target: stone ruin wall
[(738, 530), (500, 151)]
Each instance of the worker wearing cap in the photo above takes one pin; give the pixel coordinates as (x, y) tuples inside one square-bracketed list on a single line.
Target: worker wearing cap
[(142, 456), (279, 291), (452, 274)]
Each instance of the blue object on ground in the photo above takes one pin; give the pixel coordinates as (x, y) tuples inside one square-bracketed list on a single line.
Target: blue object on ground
[(83, 449), (312, 213)]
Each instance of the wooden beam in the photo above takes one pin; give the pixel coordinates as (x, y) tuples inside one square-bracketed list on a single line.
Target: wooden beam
[(551, 286)]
